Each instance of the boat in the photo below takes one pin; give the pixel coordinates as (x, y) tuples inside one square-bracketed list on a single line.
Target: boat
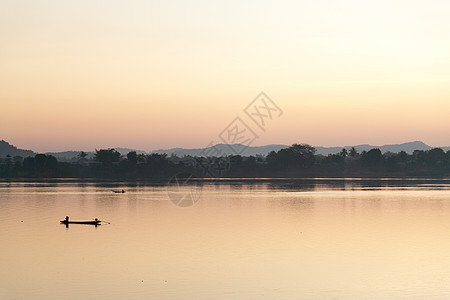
[(97, 222)]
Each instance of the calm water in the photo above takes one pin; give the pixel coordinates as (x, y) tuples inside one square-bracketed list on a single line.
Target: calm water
[(309, 239)]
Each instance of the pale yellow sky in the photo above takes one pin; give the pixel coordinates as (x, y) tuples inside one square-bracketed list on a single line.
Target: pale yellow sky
[(160, 74)]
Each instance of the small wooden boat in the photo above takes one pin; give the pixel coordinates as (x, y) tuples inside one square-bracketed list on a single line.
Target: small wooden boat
[(97, 222)]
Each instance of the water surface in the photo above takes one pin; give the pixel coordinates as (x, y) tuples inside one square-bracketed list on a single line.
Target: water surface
[(284, 239)]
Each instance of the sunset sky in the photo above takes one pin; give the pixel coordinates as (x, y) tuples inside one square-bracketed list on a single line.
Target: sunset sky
[(159, 74)]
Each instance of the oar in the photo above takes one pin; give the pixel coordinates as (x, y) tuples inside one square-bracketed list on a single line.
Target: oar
[(102, 221)]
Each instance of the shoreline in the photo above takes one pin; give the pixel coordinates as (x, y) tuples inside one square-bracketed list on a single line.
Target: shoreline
[(164, 181)]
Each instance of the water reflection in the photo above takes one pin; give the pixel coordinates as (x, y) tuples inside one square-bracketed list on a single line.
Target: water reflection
[(91, 225), (278, 239)]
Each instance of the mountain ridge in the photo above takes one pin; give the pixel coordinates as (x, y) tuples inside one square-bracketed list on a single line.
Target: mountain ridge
[(221, 149), (8, 149), (408, 147)]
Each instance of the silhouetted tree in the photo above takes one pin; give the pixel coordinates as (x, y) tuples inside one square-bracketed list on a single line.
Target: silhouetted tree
[(18, 158), (298, 155), (299, 159), (392, 161), (334, 160), (17, 164), (157, 161), (132, 157), (272, 159), (40, 165), (419, 157), (39, 162), (303, 154), (141, 158), (28, 165), (403, 156), (8, 166), (45, 164), (51, 165), (107, 156), (373, 158), (436, 156)]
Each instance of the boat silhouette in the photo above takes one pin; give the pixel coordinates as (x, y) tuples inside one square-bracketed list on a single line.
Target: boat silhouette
[(88, 222)]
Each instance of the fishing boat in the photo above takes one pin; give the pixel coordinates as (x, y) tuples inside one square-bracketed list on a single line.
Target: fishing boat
[(93, 222)]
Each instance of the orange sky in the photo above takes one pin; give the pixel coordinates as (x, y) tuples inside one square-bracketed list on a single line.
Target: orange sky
[(159, 74)]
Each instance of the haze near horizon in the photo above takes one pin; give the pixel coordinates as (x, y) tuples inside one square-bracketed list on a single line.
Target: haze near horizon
[(156, 75)]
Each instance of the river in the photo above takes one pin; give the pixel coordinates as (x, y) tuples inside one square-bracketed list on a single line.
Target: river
[(272, 239)]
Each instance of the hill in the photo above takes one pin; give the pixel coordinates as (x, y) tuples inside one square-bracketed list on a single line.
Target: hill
[(224, 149), (395, 148), (264, 150), (73, 155), (7, 149)]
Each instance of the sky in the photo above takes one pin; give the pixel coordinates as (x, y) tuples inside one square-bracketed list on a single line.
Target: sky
[(153, 75)]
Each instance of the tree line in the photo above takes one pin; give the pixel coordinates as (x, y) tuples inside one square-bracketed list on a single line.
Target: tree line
[(298, 160)]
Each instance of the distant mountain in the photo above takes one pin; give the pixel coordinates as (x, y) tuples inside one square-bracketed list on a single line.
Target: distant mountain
[(7, 149), (69, 155), (395, 148), (73, 155), (224, 149), (264, 150), (125, 151)]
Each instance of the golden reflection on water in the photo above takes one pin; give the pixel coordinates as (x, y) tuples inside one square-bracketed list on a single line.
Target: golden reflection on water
[(278, 241)]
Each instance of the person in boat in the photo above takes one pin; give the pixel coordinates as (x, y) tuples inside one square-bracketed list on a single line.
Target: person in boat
[(67, 219), (96, 220), (123, 191)]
